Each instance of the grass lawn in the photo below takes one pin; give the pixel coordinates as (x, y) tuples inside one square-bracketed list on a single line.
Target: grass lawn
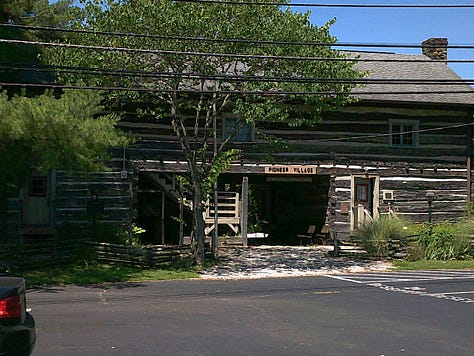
[(96, 273), (433, 264), (83, 274)]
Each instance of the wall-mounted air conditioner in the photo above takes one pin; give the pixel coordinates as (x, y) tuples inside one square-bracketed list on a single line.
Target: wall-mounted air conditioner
[(387, 195)]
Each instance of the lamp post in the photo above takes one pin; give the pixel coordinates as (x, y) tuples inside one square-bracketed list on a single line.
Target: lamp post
[(429, 198)]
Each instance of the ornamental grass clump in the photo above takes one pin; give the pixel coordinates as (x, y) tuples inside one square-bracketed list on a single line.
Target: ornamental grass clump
[(375, 235), (445, 241)]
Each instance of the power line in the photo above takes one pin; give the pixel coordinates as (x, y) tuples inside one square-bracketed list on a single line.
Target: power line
[(197, 54), (361, 137), (233, 92), (289, 4), (159, 52), (338, 139), (228, 40), (230, 77)]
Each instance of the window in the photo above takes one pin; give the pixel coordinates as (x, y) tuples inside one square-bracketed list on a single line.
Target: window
[(362, 192), (38, 187), (243, 135), (403, 133)]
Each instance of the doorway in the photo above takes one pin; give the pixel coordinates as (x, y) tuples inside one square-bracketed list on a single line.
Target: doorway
[(364, 199), (283, 206)]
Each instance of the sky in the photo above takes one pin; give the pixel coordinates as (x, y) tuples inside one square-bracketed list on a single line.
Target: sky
[(401, 25)]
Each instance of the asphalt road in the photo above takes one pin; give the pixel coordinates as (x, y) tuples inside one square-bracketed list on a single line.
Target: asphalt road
[(353, 314)]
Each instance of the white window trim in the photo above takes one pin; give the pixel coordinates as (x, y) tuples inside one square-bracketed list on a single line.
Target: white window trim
[(416, 127)]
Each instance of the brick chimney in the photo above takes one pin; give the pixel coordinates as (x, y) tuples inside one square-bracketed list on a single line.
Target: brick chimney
[(436, 48)]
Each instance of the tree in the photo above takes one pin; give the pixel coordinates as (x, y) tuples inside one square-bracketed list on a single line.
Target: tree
[(29, 12), (44, 130), (195, 70), (60, 129), (65, 132)]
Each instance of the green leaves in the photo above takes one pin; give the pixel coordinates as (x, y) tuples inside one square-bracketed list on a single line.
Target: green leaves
[(219, 165), (253, 49), (50, 132)]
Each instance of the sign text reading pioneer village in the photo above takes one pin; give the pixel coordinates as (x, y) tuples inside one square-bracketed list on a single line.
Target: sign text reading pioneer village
[(292, 169)]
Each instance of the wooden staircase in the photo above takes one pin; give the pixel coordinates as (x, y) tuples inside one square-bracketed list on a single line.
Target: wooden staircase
[(228, 203), (228, 211), (170, 185)]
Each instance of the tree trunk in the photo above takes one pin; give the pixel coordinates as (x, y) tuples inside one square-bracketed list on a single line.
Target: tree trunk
[(199, 225)]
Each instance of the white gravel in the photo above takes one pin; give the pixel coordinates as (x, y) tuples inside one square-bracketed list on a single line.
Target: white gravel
[(285, 261)]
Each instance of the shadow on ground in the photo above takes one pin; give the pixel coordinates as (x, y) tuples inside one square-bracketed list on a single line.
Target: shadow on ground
[(285, 261)]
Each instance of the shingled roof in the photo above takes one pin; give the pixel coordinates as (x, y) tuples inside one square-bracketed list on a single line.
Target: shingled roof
[(410, 67)]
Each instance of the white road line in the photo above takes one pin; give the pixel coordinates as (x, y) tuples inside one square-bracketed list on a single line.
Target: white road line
[(383, 280), (406, 275), (343, 279), (424, 273), (467, 292), (422, 293), (396, 278)]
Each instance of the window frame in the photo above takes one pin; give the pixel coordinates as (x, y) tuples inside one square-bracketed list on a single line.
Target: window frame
[(401, 133), (245, 134), (362, 192), (38, 190)]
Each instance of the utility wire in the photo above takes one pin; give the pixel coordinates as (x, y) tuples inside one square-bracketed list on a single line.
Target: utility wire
[(361, 137), (290, 4), (229, 77), (232, 92), (391, 134), (228, 40), (188, 53)]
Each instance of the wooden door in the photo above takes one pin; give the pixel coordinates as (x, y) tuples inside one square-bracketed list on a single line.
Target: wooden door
[(364, 199), (36, 202)]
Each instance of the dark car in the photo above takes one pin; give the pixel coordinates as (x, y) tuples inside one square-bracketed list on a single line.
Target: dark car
[(17, 326)]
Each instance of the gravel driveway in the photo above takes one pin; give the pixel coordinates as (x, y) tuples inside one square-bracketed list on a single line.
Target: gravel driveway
[(285, 261)]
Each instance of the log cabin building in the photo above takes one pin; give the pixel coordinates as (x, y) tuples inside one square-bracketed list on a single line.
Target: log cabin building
[(378, 155)]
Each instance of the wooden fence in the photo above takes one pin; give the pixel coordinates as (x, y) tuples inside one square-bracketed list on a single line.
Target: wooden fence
[(45, 253), (143, 256), (56, 252)]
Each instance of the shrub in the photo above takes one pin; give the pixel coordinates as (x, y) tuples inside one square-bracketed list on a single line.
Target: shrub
[(374, 235), (444, 241), (466, 227), (116, 234), (71, 231)]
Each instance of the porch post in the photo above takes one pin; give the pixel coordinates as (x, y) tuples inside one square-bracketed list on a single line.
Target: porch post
[(469, 168), (181, 224), (215, 235), (162, 218), (245, 210)]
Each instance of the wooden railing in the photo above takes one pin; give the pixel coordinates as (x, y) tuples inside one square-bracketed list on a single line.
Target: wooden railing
[(228, 211), (361, 215)]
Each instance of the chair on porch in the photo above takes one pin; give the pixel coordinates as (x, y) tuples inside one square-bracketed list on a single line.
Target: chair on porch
[(313, 237), (309, 235)]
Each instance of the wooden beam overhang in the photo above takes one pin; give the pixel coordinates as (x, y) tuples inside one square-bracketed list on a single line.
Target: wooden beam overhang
[(321, 168)]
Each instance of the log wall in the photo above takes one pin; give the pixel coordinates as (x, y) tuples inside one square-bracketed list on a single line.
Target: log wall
[(355, 134), (353, 140), (409, 196), (73, 191)]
